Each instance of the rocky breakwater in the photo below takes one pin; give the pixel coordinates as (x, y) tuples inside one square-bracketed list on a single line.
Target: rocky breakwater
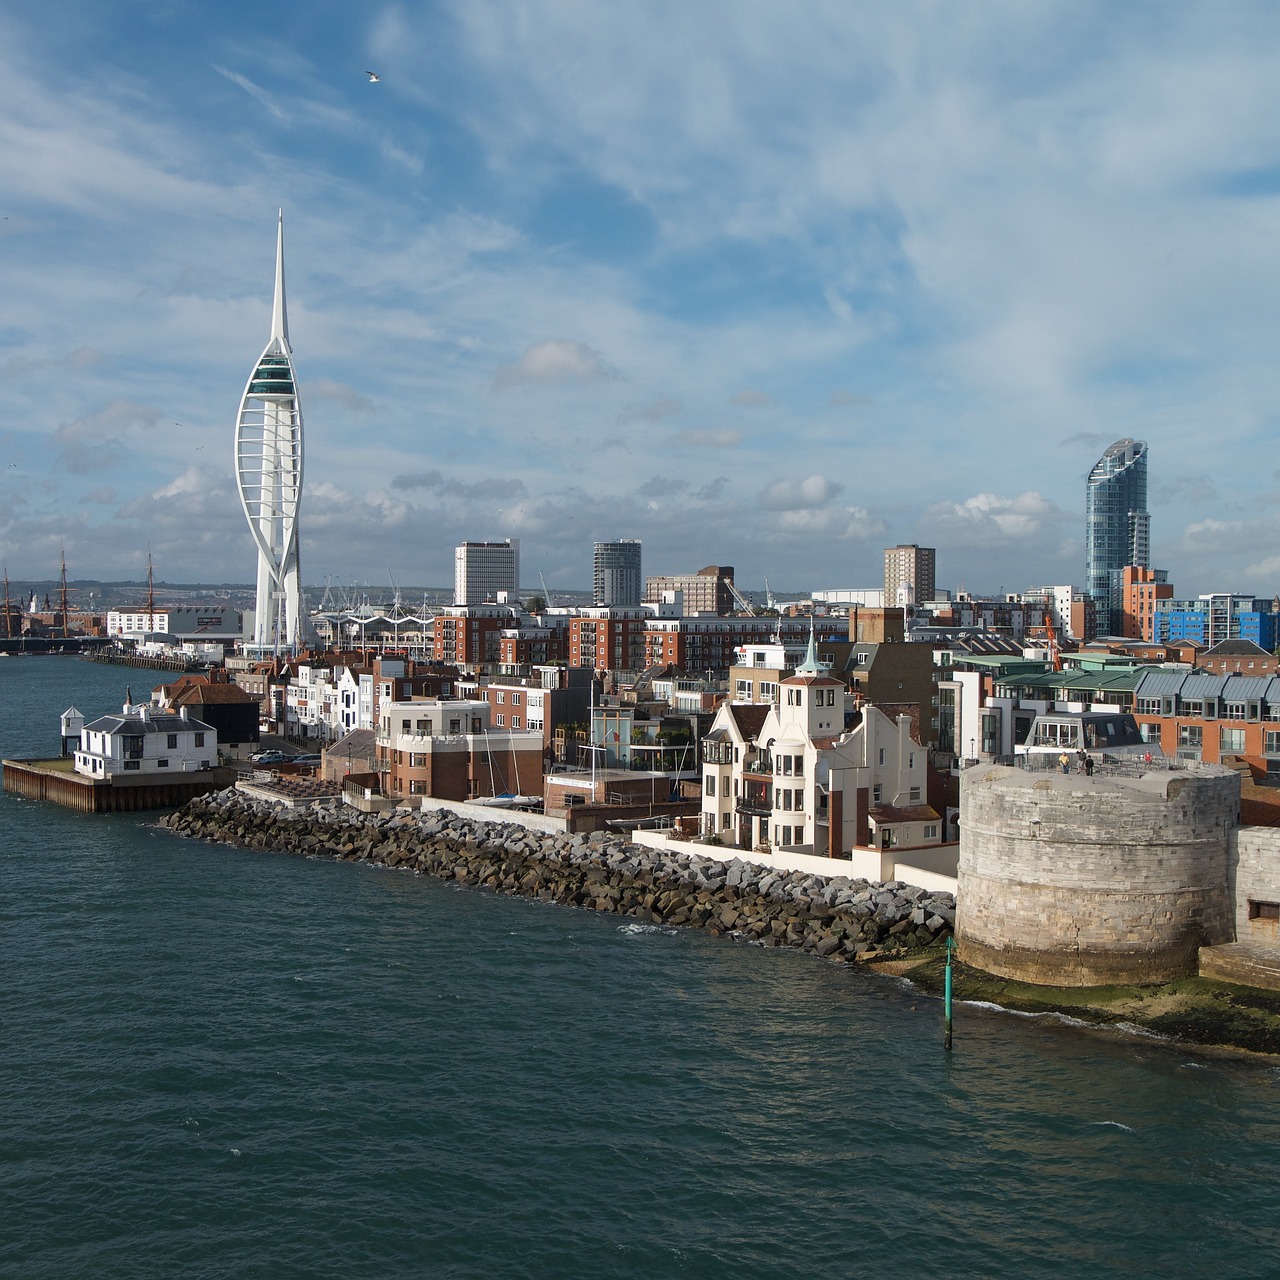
[(832, 916)]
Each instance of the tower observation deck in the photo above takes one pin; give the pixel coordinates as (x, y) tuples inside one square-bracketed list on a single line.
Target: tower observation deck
[(269, 478)]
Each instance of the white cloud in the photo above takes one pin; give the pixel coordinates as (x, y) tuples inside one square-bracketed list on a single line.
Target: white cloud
[(552, 361), (988, 517), (799, 495)]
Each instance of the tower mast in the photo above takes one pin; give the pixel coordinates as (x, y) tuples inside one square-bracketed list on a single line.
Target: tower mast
[(269, 451)]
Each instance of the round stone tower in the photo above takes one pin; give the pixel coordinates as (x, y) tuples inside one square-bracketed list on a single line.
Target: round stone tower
[(1078, 881)]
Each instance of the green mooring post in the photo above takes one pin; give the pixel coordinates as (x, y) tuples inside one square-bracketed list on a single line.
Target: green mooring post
[(946, 996)]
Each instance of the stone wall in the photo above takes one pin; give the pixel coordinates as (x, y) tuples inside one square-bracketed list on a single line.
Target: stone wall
[(1074, 881), (834, 916), (1255, 878)]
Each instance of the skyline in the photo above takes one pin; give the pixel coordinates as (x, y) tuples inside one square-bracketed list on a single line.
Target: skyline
[(755, 291)]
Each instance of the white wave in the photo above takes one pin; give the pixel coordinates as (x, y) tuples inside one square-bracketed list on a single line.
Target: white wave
[(1114, 1124), (648, 928), (235, 1151)]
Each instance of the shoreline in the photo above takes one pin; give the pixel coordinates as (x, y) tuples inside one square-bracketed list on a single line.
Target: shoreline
[(894, 929), (835, 917), (1193, 1013)]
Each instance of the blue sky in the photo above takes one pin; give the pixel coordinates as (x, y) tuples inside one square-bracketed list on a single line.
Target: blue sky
[(768, 285)]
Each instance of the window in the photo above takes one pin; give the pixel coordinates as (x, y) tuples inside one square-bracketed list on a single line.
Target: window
[(1264, 910), (1271, 742), (1232, 740), (515, 722), (199, 739), (502, 720), (931, 831), (133, 764), (875, 794), (172, 743), (786, 766), (799, 766), (725, 821), (515, 699), (162, 764), (405, 726), (710, 786), (455, 726), (502, 697), (915, 795), (1235, 711), (882, 755)]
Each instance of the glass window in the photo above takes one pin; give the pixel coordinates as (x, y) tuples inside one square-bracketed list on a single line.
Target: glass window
[(1232, 739), (172, 743), (1190, 735)]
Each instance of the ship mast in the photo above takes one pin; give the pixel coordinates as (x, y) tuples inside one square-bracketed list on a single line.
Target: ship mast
[(62, 598), (151, 595), (8, 617)]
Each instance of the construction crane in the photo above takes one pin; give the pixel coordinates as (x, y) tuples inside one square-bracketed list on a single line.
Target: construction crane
[(739, 599), (546, 594)]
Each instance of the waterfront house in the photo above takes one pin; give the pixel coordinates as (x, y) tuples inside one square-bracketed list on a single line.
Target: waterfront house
[(142, 741)]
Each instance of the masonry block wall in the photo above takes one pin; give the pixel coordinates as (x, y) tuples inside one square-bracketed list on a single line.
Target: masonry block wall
[(1255, 886), (1073, 881)]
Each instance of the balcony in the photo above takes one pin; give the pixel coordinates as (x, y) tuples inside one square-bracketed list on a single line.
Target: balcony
[(759, 766), (755, 808)]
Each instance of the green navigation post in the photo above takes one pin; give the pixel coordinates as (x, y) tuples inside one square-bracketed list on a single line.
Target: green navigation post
[(946, 997)]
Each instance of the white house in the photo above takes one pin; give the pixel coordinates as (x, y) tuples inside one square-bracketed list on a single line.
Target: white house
[(141, 741), (791, 775)]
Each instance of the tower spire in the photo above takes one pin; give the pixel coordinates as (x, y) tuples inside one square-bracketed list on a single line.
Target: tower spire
[(279, 315)]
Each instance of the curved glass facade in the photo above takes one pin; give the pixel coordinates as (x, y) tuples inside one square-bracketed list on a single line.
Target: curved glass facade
[(1117, 527)]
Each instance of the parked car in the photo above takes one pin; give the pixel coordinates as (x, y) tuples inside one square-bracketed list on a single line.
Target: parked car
[(309, 757), (270, 757)]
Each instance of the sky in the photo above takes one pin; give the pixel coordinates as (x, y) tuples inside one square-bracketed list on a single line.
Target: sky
[(775, 286)]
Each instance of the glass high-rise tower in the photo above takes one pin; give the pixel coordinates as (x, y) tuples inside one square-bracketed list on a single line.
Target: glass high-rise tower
[(616, 576), (1117, 527), (269, 478)]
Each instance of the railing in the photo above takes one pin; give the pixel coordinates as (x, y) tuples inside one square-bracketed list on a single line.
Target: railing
[(1103, 764), (755, 808)]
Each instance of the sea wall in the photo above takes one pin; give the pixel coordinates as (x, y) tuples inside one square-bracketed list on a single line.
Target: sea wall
[(833, 916)]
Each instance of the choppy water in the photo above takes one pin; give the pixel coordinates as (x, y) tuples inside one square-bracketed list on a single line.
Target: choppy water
[(217, 1063)]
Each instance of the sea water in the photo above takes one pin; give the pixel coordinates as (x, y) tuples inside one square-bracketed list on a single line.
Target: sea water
[(216, 1062)]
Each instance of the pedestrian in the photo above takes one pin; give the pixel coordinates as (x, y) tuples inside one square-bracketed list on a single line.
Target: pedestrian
[(1088, 766), (1081, 756), (1064, 762)]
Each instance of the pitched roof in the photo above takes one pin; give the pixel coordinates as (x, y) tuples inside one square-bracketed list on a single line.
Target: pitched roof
[(209, 694), (749, 717), (914, 813), (1237, 649)]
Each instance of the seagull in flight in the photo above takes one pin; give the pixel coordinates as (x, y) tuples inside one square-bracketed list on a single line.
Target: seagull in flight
[(374, 77)]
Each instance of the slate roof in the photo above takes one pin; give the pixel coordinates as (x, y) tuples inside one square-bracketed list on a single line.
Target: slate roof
[(749, 717), (1237, 649), (156, 722)]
